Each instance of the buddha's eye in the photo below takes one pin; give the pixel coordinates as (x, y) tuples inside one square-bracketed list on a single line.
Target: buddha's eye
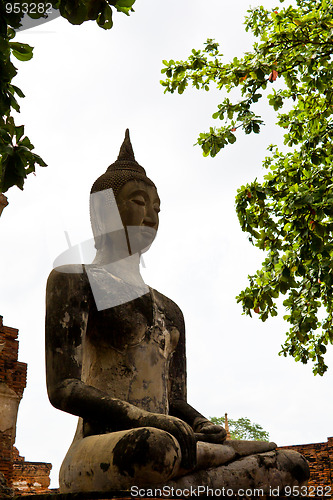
[(139, 201)]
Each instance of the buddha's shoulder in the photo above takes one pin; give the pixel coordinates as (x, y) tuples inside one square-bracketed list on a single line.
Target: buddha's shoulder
[(169, 307), (69, 276)]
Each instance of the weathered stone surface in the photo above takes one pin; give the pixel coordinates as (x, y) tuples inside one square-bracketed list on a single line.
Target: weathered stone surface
[(211, 454), (320, 460), (141, 456), (5, 491), (115, 356), (9, 402), (263, 471)]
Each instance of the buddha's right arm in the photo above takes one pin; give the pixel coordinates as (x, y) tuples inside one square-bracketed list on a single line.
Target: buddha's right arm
[(75, 397)]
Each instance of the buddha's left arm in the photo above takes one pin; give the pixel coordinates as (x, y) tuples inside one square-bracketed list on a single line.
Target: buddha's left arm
[(178, 405)]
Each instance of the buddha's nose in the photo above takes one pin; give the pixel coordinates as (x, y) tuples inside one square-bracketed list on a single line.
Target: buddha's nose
[(151, 218), (150, 222)]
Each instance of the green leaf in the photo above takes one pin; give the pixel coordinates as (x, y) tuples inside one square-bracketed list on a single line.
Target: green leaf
[(39, 160), (21, 51), (104, 20), (125, 3), (18, 91), (5, 136), (124, 6), (26, 142), (19, 132)]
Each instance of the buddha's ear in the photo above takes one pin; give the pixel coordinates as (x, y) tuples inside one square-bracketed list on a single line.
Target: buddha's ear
[(104, 213)]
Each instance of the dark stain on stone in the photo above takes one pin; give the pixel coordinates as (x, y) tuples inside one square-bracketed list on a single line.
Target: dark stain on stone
[(160, 452), (131, 450), (301, 473), (104, 466), (249, 475), (141, 448), (154, 358), (265, 462), (145, 384)]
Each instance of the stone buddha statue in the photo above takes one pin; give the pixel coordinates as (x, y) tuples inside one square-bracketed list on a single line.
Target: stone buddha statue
[(115, 357)]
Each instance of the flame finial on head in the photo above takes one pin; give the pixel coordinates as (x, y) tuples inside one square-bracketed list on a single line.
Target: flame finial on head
[(126, 159), (126, 150), (124, 169)]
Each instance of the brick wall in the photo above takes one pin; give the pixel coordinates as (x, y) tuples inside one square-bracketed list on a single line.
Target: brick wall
[(23, 477), (6, 462), (12, 383), (30, 477), (12, 372)]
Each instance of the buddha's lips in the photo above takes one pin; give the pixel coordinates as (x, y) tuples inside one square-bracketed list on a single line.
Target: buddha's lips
[(147, 231)]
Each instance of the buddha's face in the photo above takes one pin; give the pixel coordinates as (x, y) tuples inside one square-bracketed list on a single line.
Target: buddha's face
[(139, 206)]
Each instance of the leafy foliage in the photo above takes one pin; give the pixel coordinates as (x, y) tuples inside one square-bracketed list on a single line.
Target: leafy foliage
[(16, 157), (290, 214), (78, 11), (243, 428)]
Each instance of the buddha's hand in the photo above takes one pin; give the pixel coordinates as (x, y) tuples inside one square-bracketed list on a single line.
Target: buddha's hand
[(179, 430), (208, 432)]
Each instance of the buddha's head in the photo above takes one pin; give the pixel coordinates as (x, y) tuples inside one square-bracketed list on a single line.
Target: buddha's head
[(125, 198)]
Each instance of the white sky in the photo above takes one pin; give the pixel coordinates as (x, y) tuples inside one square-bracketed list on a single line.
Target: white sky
[(83, 87)]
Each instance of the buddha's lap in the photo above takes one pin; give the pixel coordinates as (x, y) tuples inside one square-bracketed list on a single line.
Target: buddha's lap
[(139, 455), (146, 456)]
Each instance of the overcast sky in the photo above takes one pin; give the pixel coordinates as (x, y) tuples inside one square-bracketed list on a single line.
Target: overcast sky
[(83, 88)]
